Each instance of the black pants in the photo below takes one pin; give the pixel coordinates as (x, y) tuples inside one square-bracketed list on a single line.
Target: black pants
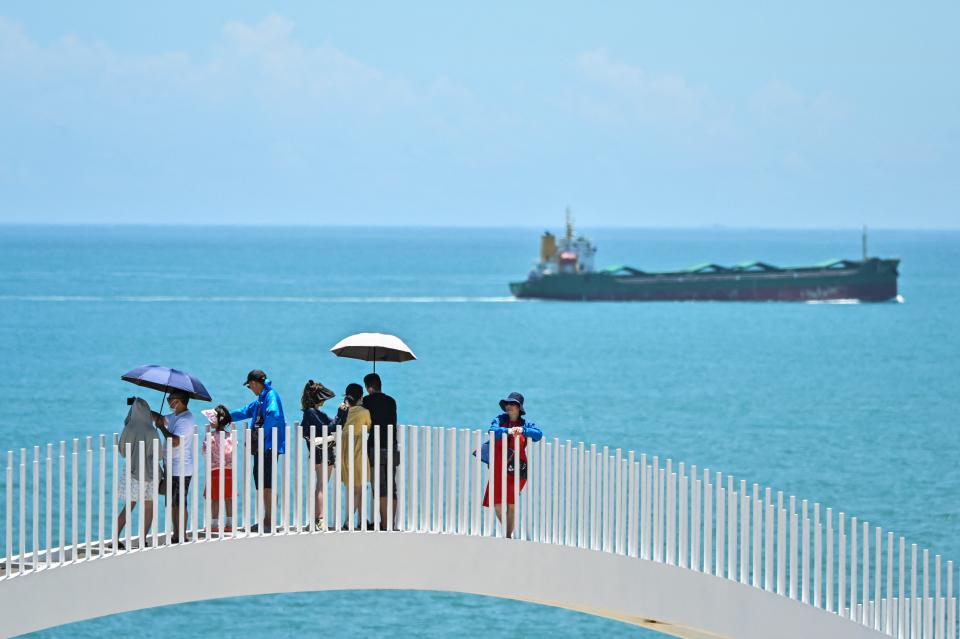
[(175, 489), (384, 458), (267, 469)]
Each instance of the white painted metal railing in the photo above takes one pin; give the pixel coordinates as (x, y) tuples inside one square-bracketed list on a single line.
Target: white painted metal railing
[(61, 505)]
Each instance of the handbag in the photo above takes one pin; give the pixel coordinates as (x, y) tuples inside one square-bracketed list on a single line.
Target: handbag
[(485, 458), (255, 430)]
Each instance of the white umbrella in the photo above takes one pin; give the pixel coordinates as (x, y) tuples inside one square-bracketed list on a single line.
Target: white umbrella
[(374, 347)]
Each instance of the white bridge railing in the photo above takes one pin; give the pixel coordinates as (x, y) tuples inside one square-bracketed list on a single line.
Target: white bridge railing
[(61, 505)]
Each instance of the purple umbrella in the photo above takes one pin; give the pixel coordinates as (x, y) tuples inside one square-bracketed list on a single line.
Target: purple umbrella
[(166, 379)]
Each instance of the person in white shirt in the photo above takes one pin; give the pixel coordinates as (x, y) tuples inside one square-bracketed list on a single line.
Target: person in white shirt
[(179, 428)]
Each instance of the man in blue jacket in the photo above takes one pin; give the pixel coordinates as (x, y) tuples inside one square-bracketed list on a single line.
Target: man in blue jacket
[(266, 411)]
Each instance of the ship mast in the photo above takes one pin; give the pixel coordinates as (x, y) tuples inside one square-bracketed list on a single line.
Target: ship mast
[(569, 228), (864, 242)]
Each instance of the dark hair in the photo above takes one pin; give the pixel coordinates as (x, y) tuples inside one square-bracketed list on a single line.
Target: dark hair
[(353, 393), (314, 394), (183, 397), (372, 380)]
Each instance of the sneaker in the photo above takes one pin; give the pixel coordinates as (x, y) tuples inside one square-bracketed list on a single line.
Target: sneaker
[(320, 525), (256, 528)]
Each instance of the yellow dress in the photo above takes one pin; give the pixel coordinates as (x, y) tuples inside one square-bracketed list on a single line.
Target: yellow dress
[(360, 418)]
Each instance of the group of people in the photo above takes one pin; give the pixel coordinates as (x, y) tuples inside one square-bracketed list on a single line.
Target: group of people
[(365, 408)]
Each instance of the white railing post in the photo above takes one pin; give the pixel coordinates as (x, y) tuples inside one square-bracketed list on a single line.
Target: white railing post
[(841, 565), (35, 546), (634, 505), (402, 516), (351, 483), (818, 558), (475, 505), (463, 485), (87, 501), (696, 508), (794, 530), (48, 527), (439, 469), (594, 496), (338, 483), (758, 513), (927, 614), (708, 548), (853, 569), (154, 501), (376, 478), (720, 526), (195, 488), (731, 530), (644, 527), (141, 495), (363, 436), (9, 514), (488, 529), (391, 473), (74, 497)]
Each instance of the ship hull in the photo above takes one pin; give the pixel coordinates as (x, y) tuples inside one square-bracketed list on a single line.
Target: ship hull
[(872, 281)]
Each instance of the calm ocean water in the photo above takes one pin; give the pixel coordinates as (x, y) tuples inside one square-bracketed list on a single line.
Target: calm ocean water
[(854, 406)]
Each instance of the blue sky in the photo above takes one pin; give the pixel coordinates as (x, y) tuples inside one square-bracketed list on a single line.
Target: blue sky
[(817, 114)]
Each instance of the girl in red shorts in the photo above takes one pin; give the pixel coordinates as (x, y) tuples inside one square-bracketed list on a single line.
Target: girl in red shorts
[(509, 429), (220, 442)]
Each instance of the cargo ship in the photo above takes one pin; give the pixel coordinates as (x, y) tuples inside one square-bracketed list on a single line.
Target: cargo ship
[(566, 272)]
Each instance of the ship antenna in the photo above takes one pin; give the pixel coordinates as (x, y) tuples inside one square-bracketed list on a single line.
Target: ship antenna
[(569, 227), (864, 242)]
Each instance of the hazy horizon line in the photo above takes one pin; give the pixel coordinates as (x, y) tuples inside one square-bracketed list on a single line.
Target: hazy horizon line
[(704, 227)]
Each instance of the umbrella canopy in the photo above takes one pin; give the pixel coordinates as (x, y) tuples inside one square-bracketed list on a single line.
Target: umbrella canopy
[(167, 380), (374, 347)]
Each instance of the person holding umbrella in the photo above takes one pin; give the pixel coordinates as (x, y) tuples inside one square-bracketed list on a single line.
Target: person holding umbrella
[(179, 428), (266, 411)]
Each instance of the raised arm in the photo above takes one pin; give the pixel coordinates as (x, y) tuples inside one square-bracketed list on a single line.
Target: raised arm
[(247, 412)]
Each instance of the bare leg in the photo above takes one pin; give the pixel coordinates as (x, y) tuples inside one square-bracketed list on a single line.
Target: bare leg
[(511, 517), (122, 520), (147, 518), (384, 525), (357, 503), (318, 494), (175, 515), (215, 509), (267, 509)]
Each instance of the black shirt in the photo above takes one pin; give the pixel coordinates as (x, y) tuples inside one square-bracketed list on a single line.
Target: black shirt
[(316, 418), (383, 413)]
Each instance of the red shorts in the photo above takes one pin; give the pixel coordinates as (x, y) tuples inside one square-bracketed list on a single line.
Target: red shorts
[(214, 483), (497, 492)]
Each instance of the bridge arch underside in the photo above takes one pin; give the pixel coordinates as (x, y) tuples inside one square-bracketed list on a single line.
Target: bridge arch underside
[(668, 599)]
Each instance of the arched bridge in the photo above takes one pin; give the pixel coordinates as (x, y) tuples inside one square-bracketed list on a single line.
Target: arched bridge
[(630, 537)]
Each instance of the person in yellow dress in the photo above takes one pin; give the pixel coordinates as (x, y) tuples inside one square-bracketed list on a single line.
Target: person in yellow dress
[(358, 417)]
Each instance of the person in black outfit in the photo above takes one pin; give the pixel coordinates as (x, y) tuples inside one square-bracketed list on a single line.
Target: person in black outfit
[(383, 414), (313, 397)]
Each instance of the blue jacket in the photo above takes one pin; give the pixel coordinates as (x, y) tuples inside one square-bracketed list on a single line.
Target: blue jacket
[(266, 404), (530, 430)]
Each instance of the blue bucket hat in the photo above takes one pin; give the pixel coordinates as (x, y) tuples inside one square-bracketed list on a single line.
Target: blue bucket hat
[(513, 398)]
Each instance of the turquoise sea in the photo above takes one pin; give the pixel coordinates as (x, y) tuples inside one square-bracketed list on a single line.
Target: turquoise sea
[(851, 405)]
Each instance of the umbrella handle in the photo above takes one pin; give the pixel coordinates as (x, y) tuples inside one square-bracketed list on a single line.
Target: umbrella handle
[(162, 399)]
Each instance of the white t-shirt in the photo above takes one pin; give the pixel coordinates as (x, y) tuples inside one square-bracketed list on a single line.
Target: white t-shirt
[(184, 427)]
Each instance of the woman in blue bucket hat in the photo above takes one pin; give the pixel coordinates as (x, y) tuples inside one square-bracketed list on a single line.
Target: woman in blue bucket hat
[(512, 430)]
